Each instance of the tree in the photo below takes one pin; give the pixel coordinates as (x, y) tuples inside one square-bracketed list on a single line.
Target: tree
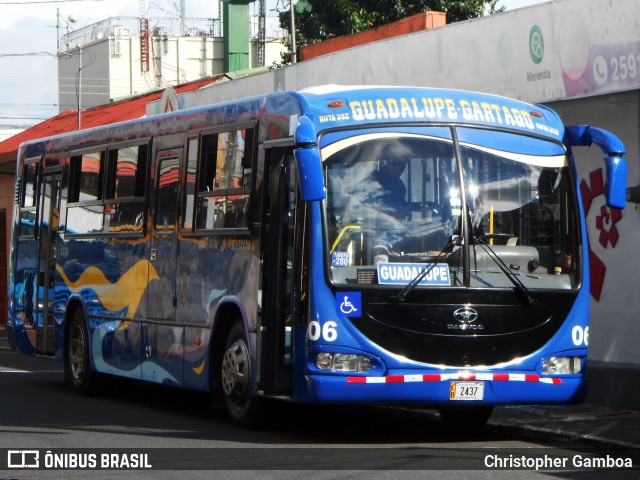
[(318, 20)]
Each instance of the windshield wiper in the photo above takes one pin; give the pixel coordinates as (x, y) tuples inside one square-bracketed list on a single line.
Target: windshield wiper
[(401, 296), (520, 287)]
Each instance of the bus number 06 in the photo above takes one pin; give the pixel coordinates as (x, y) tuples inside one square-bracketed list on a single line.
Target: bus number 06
[(580, 335), (328, 331)]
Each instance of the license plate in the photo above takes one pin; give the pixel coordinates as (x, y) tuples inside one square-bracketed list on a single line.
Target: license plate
[(466, 391)]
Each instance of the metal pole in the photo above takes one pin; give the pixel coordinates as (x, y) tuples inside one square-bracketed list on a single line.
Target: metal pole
[(58, 30), (293, 33), (79, 87)]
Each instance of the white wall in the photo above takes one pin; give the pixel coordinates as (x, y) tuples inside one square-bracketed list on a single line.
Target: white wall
[(492, 54), (615, 326), (112, 69), (93, 77)]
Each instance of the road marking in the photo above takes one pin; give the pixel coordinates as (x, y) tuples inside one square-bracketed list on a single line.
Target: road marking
[(11, 370), (15, 370)]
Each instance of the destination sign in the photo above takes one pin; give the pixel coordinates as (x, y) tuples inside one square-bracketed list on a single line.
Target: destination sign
[(404, 273)]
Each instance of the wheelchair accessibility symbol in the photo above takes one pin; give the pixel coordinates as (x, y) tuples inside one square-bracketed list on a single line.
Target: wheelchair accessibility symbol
[(347, 307), (350, 303)]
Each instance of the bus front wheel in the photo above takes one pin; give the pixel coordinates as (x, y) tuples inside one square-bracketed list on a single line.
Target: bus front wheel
[(242, 405), (77, 363)]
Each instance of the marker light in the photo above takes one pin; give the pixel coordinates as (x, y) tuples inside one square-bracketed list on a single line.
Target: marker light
[(343, 362), (336, 104), (561, 365)]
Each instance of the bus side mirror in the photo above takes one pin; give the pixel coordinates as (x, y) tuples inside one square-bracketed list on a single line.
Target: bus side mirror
[(310, 174), (308, 161), (616, 186), (615, 165)]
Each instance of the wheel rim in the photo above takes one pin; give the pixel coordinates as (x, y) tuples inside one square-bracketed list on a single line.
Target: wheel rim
[(77, 345), (235, 371)]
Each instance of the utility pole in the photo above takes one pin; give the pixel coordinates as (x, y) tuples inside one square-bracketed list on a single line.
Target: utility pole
[(144, 36), (181, 13), (293, 33), (262, 33), (79, 88)]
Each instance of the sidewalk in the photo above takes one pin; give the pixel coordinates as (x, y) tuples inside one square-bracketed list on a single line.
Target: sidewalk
[(601, 426)]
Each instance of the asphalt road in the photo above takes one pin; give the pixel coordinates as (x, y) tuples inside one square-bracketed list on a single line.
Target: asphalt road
[(180, 435)]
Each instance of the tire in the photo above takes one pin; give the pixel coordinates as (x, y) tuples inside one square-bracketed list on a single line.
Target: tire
[(77, 362), (237, 377), (466, 417)]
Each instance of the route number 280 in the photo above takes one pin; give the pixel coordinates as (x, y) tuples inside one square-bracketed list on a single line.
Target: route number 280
[(580, 335), (328, 331)]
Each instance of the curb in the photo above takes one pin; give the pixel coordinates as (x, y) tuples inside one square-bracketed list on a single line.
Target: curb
[(547, 433), (530, 431)]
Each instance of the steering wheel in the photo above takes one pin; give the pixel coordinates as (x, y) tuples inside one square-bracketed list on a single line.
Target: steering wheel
[(496, 236)]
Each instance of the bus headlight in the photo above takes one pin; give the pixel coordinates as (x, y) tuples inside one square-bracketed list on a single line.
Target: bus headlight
[(343, 362), (561, 365)]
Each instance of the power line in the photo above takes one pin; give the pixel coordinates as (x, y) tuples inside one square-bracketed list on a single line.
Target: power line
[(27, 54), (24, 117), (27, 106), (47, 1)]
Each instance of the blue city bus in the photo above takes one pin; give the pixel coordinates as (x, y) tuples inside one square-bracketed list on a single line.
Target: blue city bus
[(338, 245)]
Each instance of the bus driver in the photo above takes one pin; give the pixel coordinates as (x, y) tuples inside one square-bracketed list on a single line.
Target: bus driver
[(392, 200)]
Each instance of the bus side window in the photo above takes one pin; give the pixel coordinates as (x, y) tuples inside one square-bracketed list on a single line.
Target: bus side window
[(29, 182), (86, 174), (167, 193), (125, 189), (190, 183), (127, 169), (28, 199), (112, 206), (224, 179)]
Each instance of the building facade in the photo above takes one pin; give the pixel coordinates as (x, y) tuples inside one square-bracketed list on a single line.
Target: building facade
[(123, 56)]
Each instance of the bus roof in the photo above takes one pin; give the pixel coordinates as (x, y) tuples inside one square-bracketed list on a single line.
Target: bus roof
[(329, 106)]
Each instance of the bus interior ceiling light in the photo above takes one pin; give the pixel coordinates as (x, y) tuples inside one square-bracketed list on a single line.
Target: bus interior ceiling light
[(343, 362)]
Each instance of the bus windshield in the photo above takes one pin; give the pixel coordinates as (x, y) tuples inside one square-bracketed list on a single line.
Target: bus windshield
[(395, 203)]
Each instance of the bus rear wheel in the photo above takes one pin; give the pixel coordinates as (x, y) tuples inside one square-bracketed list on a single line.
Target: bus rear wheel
[(77, 363), (466, 417), (236, 376)]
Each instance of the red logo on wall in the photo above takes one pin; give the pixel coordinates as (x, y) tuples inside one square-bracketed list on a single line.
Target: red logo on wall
[(605, 223)]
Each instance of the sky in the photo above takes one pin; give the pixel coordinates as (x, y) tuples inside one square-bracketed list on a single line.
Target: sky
[(28, 43)]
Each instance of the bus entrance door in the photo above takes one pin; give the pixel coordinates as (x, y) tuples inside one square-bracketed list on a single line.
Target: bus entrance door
[(48, 222), (162, 337), (278, 248)]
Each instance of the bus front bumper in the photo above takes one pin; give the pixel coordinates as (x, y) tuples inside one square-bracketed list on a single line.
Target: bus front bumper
[(513, 388)]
